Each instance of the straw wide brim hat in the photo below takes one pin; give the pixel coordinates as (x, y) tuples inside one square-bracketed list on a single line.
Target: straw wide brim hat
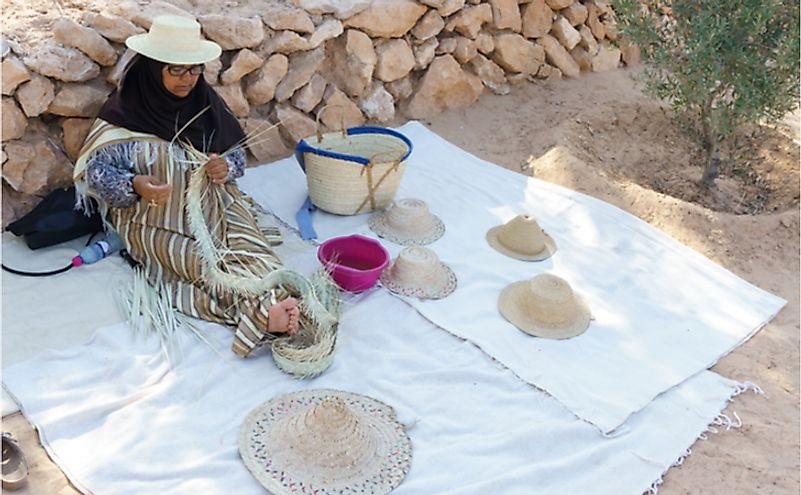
[(522, 238), (417, 272), (174, 40), (545, 306), (325, 441), (407, 222)]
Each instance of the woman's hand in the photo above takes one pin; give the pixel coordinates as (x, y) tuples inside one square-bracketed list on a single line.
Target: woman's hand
[(283, 316), (151, 189), (217, 168)]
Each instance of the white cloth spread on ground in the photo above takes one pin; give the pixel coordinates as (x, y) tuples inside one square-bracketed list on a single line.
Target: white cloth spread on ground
[(662, 311), (118, 420)]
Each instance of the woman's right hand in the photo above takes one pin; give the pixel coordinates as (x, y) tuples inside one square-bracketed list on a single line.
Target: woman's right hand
[(151, 189)]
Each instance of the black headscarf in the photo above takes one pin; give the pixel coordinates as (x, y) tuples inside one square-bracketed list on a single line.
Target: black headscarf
[(143, 104)]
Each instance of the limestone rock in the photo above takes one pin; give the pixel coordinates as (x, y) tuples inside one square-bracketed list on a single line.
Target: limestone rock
[(35, 168), (556, 55), (9, 215), (506, 15), (20, 155), (328, 30), (485, 44), (559, 4), (75, 131), (232, 33), (339, 111), (286, 42), (387, 18), (424, 53), (113, 76), (14, 73), (282, 17), (78, 100), (582, 57), (295, 125), (395, 60), (588, 41), (14, 121), (70, 33), (63, 63), (260, 86), (565, 33), (465, 50), (35, 95), (400, 89), (144, 14), (342, 9), (518, 78), (446, 45), (491, 74), (428, 26), (377, 103), (235, 99), (608, 58), (468, 22), (264, 141), (301, 67), (353, 61), (515, 53), (445, 85), (537, 19), (445, 7), (244, 62), (112, 27), (631, 54), (212, 71), (595, 14), (575, 13), (307, 97)]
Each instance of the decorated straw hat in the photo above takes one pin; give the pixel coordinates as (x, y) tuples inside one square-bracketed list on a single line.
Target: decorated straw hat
[(175, 40), (544, 306), (324, 442), (417, 272), (522, 239), (407, 222)]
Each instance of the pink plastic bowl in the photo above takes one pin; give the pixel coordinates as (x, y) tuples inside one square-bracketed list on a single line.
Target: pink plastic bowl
[(355, 261)]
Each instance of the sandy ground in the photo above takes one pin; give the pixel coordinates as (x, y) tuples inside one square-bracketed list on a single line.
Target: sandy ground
[(601, 136)]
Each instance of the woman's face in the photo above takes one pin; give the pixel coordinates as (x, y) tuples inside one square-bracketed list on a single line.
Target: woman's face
[(180, 79)]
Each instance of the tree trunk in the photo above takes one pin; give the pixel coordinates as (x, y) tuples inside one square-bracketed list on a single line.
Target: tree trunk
[(710, 145)]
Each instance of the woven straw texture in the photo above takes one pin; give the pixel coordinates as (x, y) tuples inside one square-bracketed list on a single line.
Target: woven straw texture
[(346, 187), (544, 306), (417, 272), (522, 238), (325, 442), (407, 222)]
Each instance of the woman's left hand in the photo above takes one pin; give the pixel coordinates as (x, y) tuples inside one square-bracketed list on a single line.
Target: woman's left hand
[(217, 168)]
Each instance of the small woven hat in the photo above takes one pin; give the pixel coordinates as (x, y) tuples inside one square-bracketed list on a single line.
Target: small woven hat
[(544, 306), (175, 40), (407, 222), (522, 239), (324, 442), (417, 272)]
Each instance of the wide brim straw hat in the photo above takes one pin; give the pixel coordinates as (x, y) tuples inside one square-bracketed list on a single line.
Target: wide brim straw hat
[(407, 222), (325, 441), (522, 238), (417, 272), (545, 306), (174, 40)]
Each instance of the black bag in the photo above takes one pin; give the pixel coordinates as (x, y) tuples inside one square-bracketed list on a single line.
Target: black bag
[(55, 220)]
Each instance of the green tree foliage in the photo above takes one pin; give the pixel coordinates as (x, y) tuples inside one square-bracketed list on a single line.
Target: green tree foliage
[(722, 63)]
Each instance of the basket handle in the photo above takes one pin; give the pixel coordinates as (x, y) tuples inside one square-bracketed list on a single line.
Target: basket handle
[(371, 189), (341, 122)]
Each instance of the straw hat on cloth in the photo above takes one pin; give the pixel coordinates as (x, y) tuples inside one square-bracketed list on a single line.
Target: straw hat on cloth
[(522, 239), (324, 442), (545, 306), (174, 40), (417, 272), (407, 222)]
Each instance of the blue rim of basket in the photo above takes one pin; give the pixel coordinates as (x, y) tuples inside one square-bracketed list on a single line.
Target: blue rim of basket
[(304, 147)]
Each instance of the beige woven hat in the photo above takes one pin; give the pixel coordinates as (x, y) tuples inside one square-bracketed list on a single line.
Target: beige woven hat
[(545, 306), (175, 40), (417, 272), (324, 442), (522, 239), (407, 222)]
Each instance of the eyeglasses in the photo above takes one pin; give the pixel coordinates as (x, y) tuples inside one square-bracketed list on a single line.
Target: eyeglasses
[(180, 70)]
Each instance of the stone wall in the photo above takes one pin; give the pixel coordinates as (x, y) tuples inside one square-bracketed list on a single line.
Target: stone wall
[(361, 60)]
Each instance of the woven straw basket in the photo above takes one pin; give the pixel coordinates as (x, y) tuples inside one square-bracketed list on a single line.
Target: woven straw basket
[(354, 171)]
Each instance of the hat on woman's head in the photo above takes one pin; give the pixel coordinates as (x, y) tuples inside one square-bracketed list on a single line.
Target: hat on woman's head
[(407, 222), (544, 306), (522, 238), (417, 272), (174, 40), (325, 441)]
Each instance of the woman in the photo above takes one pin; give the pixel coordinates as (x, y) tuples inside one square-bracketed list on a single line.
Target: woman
[(137, 161)]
